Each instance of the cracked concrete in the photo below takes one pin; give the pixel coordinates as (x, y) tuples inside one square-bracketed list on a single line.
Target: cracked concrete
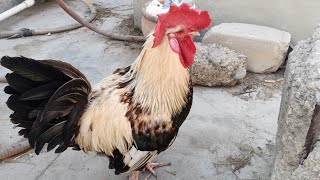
[(220, 128)]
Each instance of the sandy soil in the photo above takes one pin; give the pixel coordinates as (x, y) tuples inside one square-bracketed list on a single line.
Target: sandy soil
[(229, 134)]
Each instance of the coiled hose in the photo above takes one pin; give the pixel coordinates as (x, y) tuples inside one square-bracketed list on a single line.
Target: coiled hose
[(25, 32), (14, 149)]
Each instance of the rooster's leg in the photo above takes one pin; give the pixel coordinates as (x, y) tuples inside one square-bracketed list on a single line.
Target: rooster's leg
[(134, 175), (150, 166)]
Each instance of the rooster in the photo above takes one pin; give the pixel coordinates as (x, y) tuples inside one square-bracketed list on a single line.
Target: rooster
[(130, 116)]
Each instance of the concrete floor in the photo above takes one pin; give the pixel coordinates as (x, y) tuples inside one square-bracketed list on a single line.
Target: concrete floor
[(220, 130)]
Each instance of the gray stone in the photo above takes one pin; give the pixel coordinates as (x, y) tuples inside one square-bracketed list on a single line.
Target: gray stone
[(300, 95), (239, 73), (310, 168), (265, 47), (217, 66)]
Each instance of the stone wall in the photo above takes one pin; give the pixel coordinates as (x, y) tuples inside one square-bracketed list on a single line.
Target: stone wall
[(299, 17)]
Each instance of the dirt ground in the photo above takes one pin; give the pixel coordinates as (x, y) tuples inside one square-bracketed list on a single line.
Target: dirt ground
[(259, 86), (229, 134)]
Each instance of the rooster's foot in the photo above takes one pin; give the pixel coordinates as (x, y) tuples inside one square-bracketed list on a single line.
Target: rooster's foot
[(150, 166), (134, 175)]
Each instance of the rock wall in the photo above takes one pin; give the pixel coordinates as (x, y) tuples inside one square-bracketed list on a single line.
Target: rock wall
[(301, 93)]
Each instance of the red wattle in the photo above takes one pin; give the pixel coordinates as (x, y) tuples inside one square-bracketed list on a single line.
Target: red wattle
[(187, 51)]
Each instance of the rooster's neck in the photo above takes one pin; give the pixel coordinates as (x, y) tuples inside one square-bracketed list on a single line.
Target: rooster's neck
[(161, 82)]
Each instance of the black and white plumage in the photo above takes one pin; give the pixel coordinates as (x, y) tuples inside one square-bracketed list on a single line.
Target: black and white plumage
[(130, 116), (54, 103)]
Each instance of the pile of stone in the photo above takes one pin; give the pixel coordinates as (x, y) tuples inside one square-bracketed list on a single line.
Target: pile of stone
[(265, 47), (231, 49)]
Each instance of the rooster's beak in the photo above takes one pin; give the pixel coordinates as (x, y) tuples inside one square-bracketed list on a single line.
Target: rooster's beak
[(194, 33)]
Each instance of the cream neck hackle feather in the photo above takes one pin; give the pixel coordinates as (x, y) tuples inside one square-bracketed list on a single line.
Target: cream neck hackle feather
[(161, 82)]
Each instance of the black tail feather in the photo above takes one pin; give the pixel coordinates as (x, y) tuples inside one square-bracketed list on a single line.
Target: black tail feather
[(24, 132), (25, 124), (55, 141), (20, 83), (48, 98), (33, 70), (40, 92), (10, 90), (15, 104), (66, 69), (48, 135)]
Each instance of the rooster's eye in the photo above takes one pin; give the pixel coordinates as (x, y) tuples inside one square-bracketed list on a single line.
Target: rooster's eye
[(180, 32)]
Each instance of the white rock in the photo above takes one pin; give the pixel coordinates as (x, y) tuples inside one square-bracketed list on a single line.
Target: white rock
[(217, 66), (265, 47)]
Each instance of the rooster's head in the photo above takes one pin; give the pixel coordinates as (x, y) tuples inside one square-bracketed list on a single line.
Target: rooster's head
[(179, 24)]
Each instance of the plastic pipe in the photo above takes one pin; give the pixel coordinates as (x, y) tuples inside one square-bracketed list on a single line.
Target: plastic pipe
[(24, 5)]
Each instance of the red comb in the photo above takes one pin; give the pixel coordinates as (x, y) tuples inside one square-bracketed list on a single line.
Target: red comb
[(191, 19)]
